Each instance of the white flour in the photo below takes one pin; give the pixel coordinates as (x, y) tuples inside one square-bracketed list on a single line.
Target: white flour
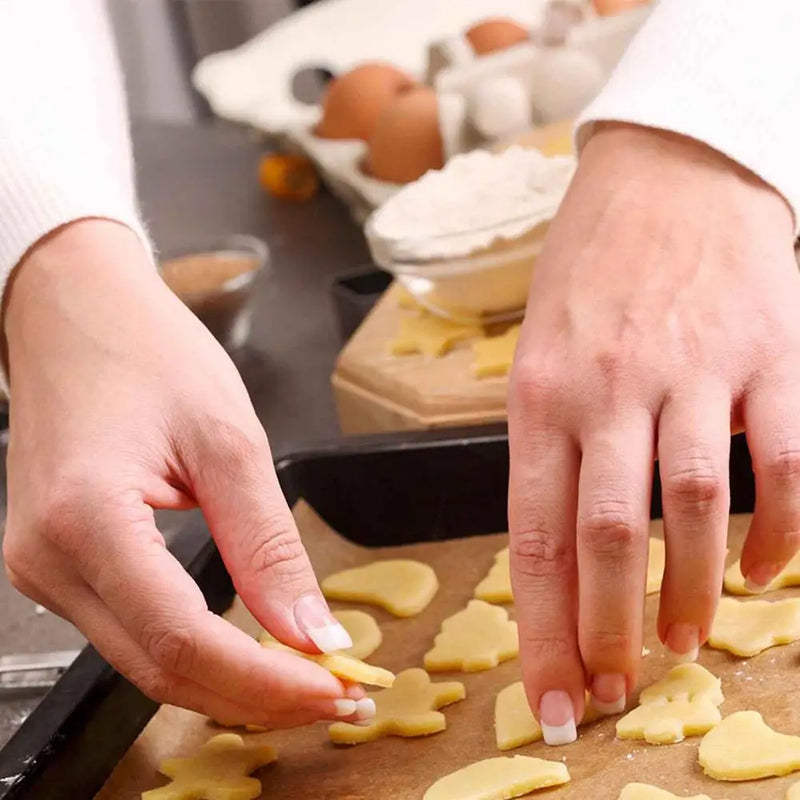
[(479, 198)]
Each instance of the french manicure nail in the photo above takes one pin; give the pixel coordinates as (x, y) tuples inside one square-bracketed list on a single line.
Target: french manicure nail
[(760, 577), (365, 709), (314, 618), (344, 707), (557, 718), (755, 588), (605, 687), (683, 642)]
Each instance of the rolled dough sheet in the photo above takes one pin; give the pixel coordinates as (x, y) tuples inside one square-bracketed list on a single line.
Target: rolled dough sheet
[(402, 769)]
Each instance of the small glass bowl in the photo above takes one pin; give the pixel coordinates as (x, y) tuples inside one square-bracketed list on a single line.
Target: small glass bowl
[(485, 286), (215, 279)]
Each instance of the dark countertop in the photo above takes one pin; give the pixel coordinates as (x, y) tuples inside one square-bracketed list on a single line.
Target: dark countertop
[(200, 182)]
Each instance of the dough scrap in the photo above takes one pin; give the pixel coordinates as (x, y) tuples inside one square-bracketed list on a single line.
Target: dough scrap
[(478, 637), (363, 630), (669, 722), (743, 748), (748, 627), (789, 576), (431, 335), (220, 771), (493, 357), (656, 560), (684, 682), (643, 791), (496, 586), (514, 723), (409, 708), (794, 792), (500, 778), (402, 586), (342, 666), (685, 702)]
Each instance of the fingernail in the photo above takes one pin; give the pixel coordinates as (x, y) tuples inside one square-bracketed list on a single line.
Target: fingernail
[(760, 577), (609, 694), (557, 718), (314, 618), (343, 707), (683, 642), (365, 709)]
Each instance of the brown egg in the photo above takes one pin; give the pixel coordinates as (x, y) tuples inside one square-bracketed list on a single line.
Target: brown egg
[(496, 34), (608, 7), (355, 100), (407, 141)]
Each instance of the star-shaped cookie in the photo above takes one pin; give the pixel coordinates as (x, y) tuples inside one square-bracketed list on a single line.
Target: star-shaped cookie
[(494, 356), (409, 708), (431, 335)]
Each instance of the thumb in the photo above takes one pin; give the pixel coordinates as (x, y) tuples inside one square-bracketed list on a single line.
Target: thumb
[(234, 482)]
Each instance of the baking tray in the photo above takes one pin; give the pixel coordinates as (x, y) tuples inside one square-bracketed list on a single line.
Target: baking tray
[(439, 485)]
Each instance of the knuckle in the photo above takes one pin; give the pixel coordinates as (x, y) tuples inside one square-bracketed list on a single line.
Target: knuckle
[(173, 649), (277, 551), (532, 385), (784, 464), (236, 452), (545, 649), (694, 481), (600, 641), (539, 553), (156, 684), (609, 529)]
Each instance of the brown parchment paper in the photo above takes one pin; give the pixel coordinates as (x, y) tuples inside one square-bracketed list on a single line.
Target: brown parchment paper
[(401, 769)]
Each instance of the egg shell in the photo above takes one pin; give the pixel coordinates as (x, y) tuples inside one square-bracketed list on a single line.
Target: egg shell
[(495, 34), (407, 141), (355, 100), (608, 7)]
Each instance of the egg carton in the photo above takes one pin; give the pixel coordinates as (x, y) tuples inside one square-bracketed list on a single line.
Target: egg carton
[(253, 84)]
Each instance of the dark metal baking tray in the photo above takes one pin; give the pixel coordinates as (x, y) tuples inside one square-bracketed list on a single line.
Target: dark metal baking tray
[(438, 486)]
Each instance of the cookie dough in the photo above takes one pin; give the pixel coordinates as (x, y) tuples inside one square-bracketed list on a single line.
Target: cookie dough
[(496, 586), (477, 638), (743, 748), (745, 628), (684, 682), (500, 778), (431, 335), (342, 666), (683, 703), (514, 723), (220, 769), (494, 356), (656, 559), (643, 791), (790, 576), (794, 792), (409, 708), (363, 630), (402, 586)]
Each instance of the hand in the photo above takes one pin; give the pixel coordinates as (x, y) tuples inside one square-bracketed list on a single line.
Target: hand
[(662, 315), (122, 403)]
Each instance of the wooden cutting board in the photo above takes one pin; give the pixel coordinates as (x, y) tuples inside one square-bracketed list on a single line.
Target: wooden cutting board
[(309, 766), (377, 391)]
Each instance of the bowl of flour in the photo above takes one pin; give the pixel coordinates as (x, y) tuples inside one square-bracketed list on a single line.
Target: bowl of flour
[(464, 239)]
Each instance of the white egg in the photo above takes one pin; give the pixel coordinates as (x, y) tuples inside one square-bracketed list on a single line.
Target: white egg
[(499, 106)]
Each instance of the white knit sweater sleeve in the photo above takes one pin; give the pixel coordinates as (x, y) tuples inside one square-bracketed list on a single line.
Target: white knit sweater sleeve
[(726, 72), (64, 144)]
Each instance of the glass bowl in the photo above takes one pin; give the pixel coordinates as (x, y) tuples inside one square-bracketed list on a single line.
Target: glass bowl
[(215, 279), (488, 285)]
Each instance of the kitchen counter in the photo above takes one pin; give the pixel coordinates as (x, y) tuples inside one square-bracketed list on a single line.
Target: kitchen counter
[(200, 182)]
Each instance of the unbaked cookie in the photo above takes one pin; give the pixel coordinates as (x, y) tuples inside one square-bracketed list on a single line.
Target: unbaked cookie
[(409, 708), (363, 630), (402, 586), (494, 356), (342, 666), (496, 586), (221, 769), (431, 335), (500, 778), (743, 748), (514, 722), (747, 627), (683, 703), (789, 576), (656, 559), (477, 638), (643, 791)]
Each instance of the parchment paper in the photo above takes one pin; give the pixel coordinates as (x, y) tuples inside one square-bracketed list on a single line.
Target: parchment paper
[(401, 769)]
